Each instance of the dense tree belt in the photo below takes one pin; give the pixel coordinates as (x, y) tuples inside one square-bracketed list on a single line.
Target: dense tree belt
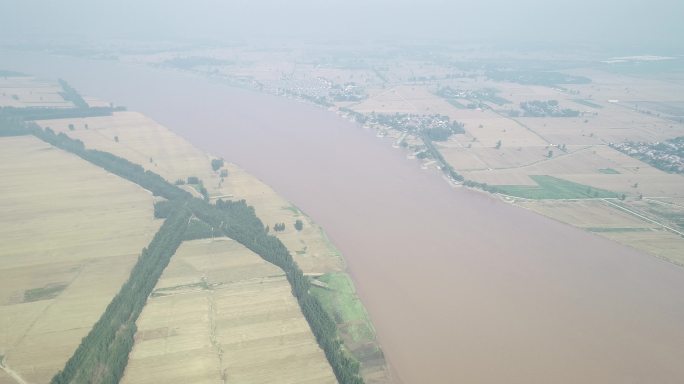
[(114, 164), (12, 125), (70, 94), (41, 113), (238, 221), (448, 170), (103, 354)]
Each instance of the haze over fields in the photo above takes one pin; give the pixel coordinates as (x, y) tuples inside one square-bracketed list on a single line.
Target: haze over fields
[(653, 26), (326, 191)]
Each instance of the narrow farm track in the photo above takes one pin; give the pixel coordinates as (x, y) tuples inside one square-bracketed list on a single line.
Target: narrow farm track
[(11, 373), (644, 217)]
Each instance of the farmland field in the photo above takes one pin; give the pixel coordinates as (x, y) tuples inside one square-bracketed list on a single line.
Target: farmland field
[(597, 166), (623, 226), (219, 312), (26, 91), (141, 139), (541, 158), (71, 232)]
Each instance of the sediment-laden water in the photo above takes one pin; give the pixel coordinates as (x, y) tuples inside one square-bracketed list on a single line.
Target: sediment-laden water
[(460, 286)]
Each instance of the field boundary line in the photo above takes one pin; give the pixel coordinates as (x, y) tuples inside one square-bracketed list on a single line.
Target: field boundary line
[(535, 162), (655, 200), (519, 123), (644, 217), (11, 373), (42, 312)]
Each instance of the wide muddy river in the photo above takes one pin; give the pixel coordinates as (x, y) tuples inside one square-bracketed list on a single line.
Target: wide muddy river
[(460, 286)]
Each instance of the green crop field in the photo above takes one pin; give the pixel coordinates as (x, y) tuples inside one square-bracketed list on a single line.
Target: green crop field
[(550, 187), (608, 171)]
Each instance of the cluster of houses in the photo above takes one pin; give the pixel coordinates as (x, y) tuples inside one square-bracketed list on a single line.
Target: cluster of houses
[(414, 123), (667, 155), (550, 108), (317, 89)]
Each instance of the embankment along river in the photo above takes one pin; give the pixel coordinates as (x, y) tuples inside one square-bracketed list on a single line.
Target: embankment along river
[(461, 287)]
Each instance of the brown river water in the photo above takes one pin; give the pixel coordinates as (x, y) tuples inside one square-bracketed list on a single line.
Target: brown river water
[(462, 288)]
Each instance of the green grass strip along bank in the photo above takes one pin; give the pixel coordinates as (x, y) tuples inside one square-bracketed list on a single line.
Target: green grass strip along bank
[(336, 293)]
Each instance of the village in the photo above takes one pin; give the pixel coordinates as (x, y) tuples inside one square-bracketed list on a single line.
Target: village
[(667, 155)]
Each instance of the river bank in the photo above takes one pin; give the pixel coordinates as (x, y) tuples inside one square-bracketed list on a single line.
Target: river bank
[(460, 286)]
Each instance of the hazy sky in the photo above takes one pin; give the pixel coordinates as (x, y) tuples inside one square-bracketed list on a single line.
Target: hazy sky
[(638, 25)]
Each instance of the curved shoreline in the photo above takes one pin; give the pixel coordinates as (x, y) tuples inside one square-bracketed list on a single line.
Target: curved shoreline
[(491, 285)]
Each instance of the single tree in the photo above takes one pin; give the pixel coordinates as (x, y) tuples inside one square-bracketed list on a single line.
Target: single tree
[(216, 164)]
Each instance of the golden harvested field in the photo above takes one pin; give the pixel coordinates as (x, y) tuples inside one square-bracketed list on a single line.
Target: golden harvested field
[(406, 70), (605, 220), (660, 243), (404, 99), (586, 165), (613, 123), (220, 313), (470, 159), (518, 93), (142, 139), (70, 234), (623, 87), (27, 91), (489, 128), (342, 76), (649, 185), (568, 131), (588, 214), (95, 102), (310, 247)]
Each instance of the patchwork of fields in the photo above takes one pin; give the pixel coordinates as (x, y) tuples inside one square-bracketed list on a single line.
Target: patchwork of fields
[(221, 313), (27, 91), (71, 233), (539, 158), (141, 140)]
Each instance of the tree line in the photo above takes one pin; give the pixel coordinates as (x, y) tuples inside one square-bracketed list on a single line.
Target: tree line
[(445, 166), (39, 113), (112, 337), (12, 125), (238, 221), (102, 355), (114, 164), (70, 94)]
